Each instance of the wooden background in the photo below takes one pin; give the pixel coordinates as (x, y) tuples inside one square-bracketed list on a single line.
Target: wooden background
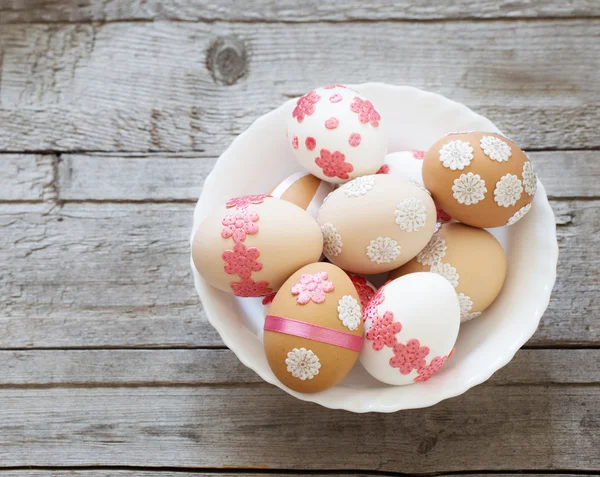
[(112, 112)]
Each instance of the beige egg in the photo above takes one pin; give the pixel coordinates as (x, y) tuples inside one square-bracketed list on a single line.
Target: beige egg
[(471, 259), (251, 245), (481, 179), (304, 190), (314, 328), (376, 223)]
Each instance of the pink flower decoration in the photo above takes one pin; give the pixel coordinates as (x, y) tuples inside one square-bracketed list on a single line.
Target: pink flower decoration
[(409, 356), (332, 123), (441, 215), (418, 154), (370, 311), (245, 201), (366, 111), (295, 142), (334, 165), (383, 331), (312, 287), (329, 86), (354, 139), (385, 169), (248, 287), (310, 143), (242, 260), (365, 292), (268, 299), (305, 106), (239, 225), (335, 98), (426, 372)]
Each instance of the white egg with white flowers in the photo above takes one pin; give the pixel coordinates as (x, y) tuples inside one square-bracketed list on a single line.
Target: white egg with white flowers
[(411, 326), (336, 134)]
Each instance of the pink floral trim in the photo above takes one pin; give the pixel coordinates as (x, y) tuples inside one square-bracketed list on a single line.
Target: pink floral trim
[(365, 292), (332, 123), (329, 86), (441, 215), (335, 98), (418, 154), (242, 260), (370, 311), (334, 164), (426, 372), (385, 169), (312, 287), (383, 331), (268, 299), (366, 111), (409, 356), (248, 287), (239, 225), (310, 143), (245, 201), (354, 139), (295, 142), (305, 106)]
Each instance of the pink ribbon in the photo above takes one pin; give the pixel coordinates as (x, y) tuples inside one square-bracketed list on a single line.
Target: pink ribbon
[(313, 332)]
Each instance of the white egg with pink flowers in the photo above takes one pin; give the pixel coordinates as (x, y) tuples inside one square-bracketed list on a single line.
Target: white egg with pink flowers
[(336, 134)]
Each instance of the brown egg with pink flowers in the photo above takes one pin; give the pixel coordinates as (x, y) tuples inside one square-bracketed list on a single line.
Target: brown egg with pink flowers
[(481, 179)]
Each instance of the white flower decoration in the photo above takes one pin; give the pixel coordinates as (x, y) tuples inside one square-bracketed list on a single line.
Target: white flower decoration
[(496, 149), (302, 363), (469, 189), (332, 241), (508, 190), (359, 186), (433, 252), (349, 312), (529, 178), (469, 316), (519, 214), (410, 215), (383, 250), (437, 227), (465, 306), (447, 271), (456, 154)]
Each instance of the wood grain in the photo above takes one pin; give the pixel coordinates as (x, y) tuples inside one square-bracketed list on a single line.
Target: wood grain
[(147, 87), (201, 367), (288, 10), (164, 177), (494, 428), (98, 472), (118, 275), (27, 177)]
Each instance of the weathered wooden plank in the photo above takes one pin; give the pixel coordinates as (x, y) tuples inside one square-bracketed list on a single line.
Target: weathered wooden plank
[(288, 10), (494, 428), (147, 86), (180, 177), (98, 472), (26, 177), (216, 366), (118, 275)]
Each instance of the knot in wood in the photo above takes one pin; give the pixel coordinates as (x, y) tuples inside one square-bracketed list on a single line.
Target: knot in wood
[(226, 59)]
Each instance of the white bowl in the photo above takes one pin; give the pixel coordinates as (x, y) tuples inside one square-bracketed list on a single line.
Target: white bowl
[(260, 157)]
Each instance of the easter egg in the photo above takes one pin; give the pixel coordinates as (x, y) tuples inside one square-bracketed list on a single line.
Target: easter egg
[(304, 190), (376, 223), (336, 134), (364, 288), (313, 330), (471, 259), (252, 244), (411, 326), (479, 178)]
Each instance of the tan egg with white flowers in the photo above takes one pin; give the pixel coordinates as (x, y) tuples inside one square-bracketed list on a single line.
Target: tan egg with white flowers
[(481, 179), (471, 259), (252, 244), (376, 223)]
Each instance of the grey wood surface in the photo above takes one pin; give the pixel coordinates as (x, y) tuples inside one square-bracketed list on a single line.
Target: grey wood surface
[(112, 113)]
